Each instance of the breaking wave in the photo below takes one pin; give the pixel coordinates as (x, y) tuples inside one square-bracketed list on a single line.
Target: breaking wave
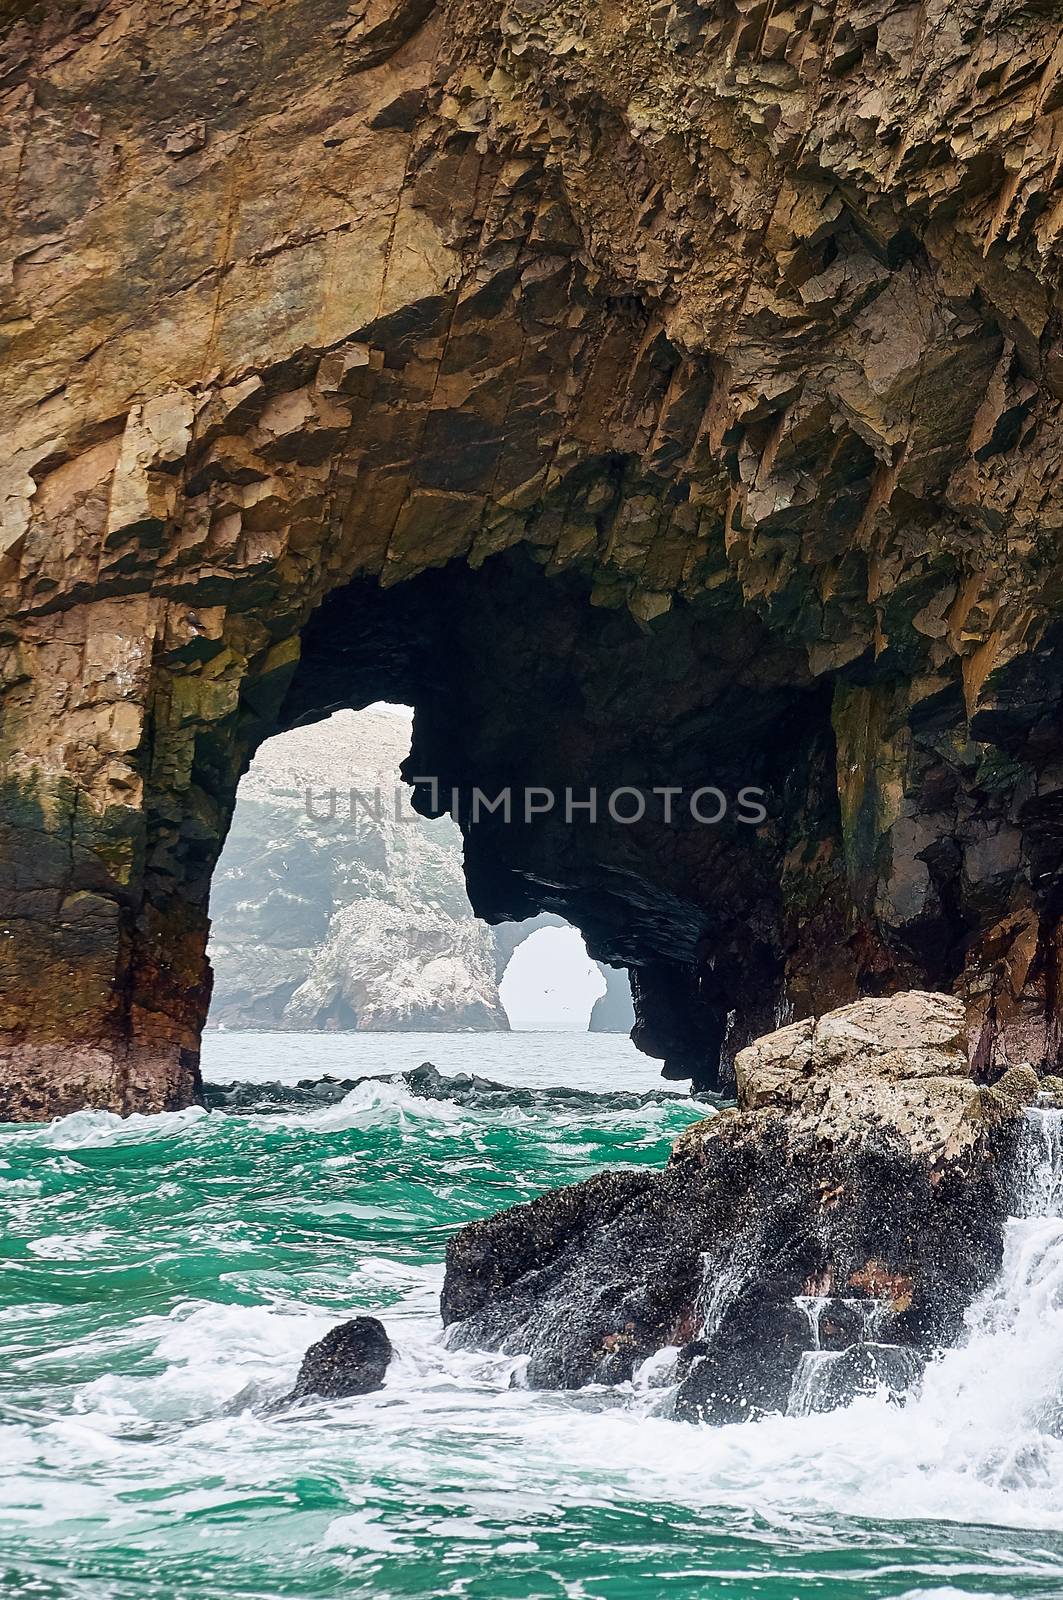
[(163, 1276)]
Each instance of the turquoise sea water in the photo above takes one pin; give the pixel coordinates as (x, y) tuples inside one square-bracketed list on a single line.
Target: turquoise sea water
[(161, 1278)]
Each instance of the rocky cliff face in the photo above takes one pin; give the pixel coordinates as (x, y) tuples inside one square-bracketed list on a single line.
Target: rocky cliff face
[(612, 1012), (329, 913), (655, 395)]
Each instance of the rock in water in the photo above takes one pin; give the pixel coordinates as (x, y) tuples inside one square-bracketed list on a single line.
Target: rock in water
[(351, 1359), (853, 1200)]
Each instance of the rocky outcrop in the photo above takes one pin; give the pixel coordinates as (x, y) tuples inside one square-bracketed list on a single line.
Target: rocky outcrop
[(426, 1082), (333, 912), (899, 1064), (825, 1235), (351, 1359), (612, 1012), (654, 397)]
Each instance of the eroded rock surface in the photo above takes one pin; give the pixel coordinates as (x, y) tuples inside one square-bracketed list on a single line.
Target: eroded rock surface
[(900, 1063), (852, 1206), (660, 395)]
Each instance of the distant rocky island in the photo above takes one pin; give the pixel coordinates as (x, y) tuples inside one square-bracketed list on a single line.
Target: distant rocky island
[(326, 920)]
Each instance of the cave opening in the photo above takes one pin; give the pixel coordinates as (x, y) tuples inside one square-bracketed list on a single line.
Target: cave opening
[(336, 907), (521, 686), (882, 843)]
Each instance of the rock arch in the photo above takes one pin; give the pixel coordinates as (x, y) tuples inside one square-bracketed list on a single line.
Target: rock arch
[(629, 394)]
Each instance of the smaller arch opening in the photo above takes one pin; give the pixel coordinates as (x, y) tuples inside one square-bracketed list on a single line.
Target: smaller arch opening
[(550, 983)]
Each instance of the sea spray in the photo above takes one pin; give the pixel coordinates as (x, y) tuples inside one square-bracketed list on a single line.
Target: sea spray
[(1039, 1178)]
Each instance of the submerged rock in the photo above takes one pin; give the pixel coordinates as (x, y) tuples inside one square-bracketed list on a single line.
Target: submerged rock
[(243, 1098), (469, 1089), (351, 1359), (856, 1195)]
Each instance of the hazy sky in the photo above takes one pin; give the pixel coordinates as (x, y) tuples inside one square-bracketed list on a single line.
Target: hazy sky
[(551, 981)]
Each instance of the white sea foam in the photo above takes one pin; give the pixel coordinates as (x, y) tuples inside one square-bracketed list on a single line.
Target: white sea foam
[(979, 1443), (376, 1102), (95, 1129), (453, 1442)]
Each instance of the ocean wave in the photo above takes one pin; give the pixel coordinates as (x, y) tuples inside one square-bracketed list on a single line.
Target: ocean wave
[(133, 1429), (93, 1129), (931, 1460), (453, 1448)]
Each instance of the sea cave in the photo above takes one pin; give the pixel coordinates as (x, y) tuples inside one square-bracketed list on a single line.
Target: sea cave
[(664, 403)]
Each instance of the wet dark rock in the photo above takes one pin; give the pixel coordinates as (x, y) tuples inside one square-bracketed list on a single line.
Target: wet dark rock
[(613, 1011), (856, 1199), (425, 1082), (486, 1094), (351, 1359), (247, 1098), (826, 1380), (1050, 1092), (499, 1266)]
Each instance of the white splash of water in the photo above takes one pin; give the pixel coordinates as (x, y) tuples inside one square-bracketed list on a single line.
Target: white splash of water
[(812, 1305), (992, 1408), (721, 1286), (870, 1311), (808, 1381), (1000, 1394), (86, 1130), (812, 1387), (827, 1379), (1040, 1182)]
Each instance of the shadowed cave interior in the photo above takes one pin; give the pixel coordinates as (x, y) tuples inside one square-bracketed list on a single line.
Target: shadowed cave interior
[(520, 682)]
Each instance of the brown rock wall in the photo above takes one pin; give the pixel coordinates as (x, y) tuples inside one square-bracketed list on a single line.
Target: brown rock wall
[(743, 324)]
